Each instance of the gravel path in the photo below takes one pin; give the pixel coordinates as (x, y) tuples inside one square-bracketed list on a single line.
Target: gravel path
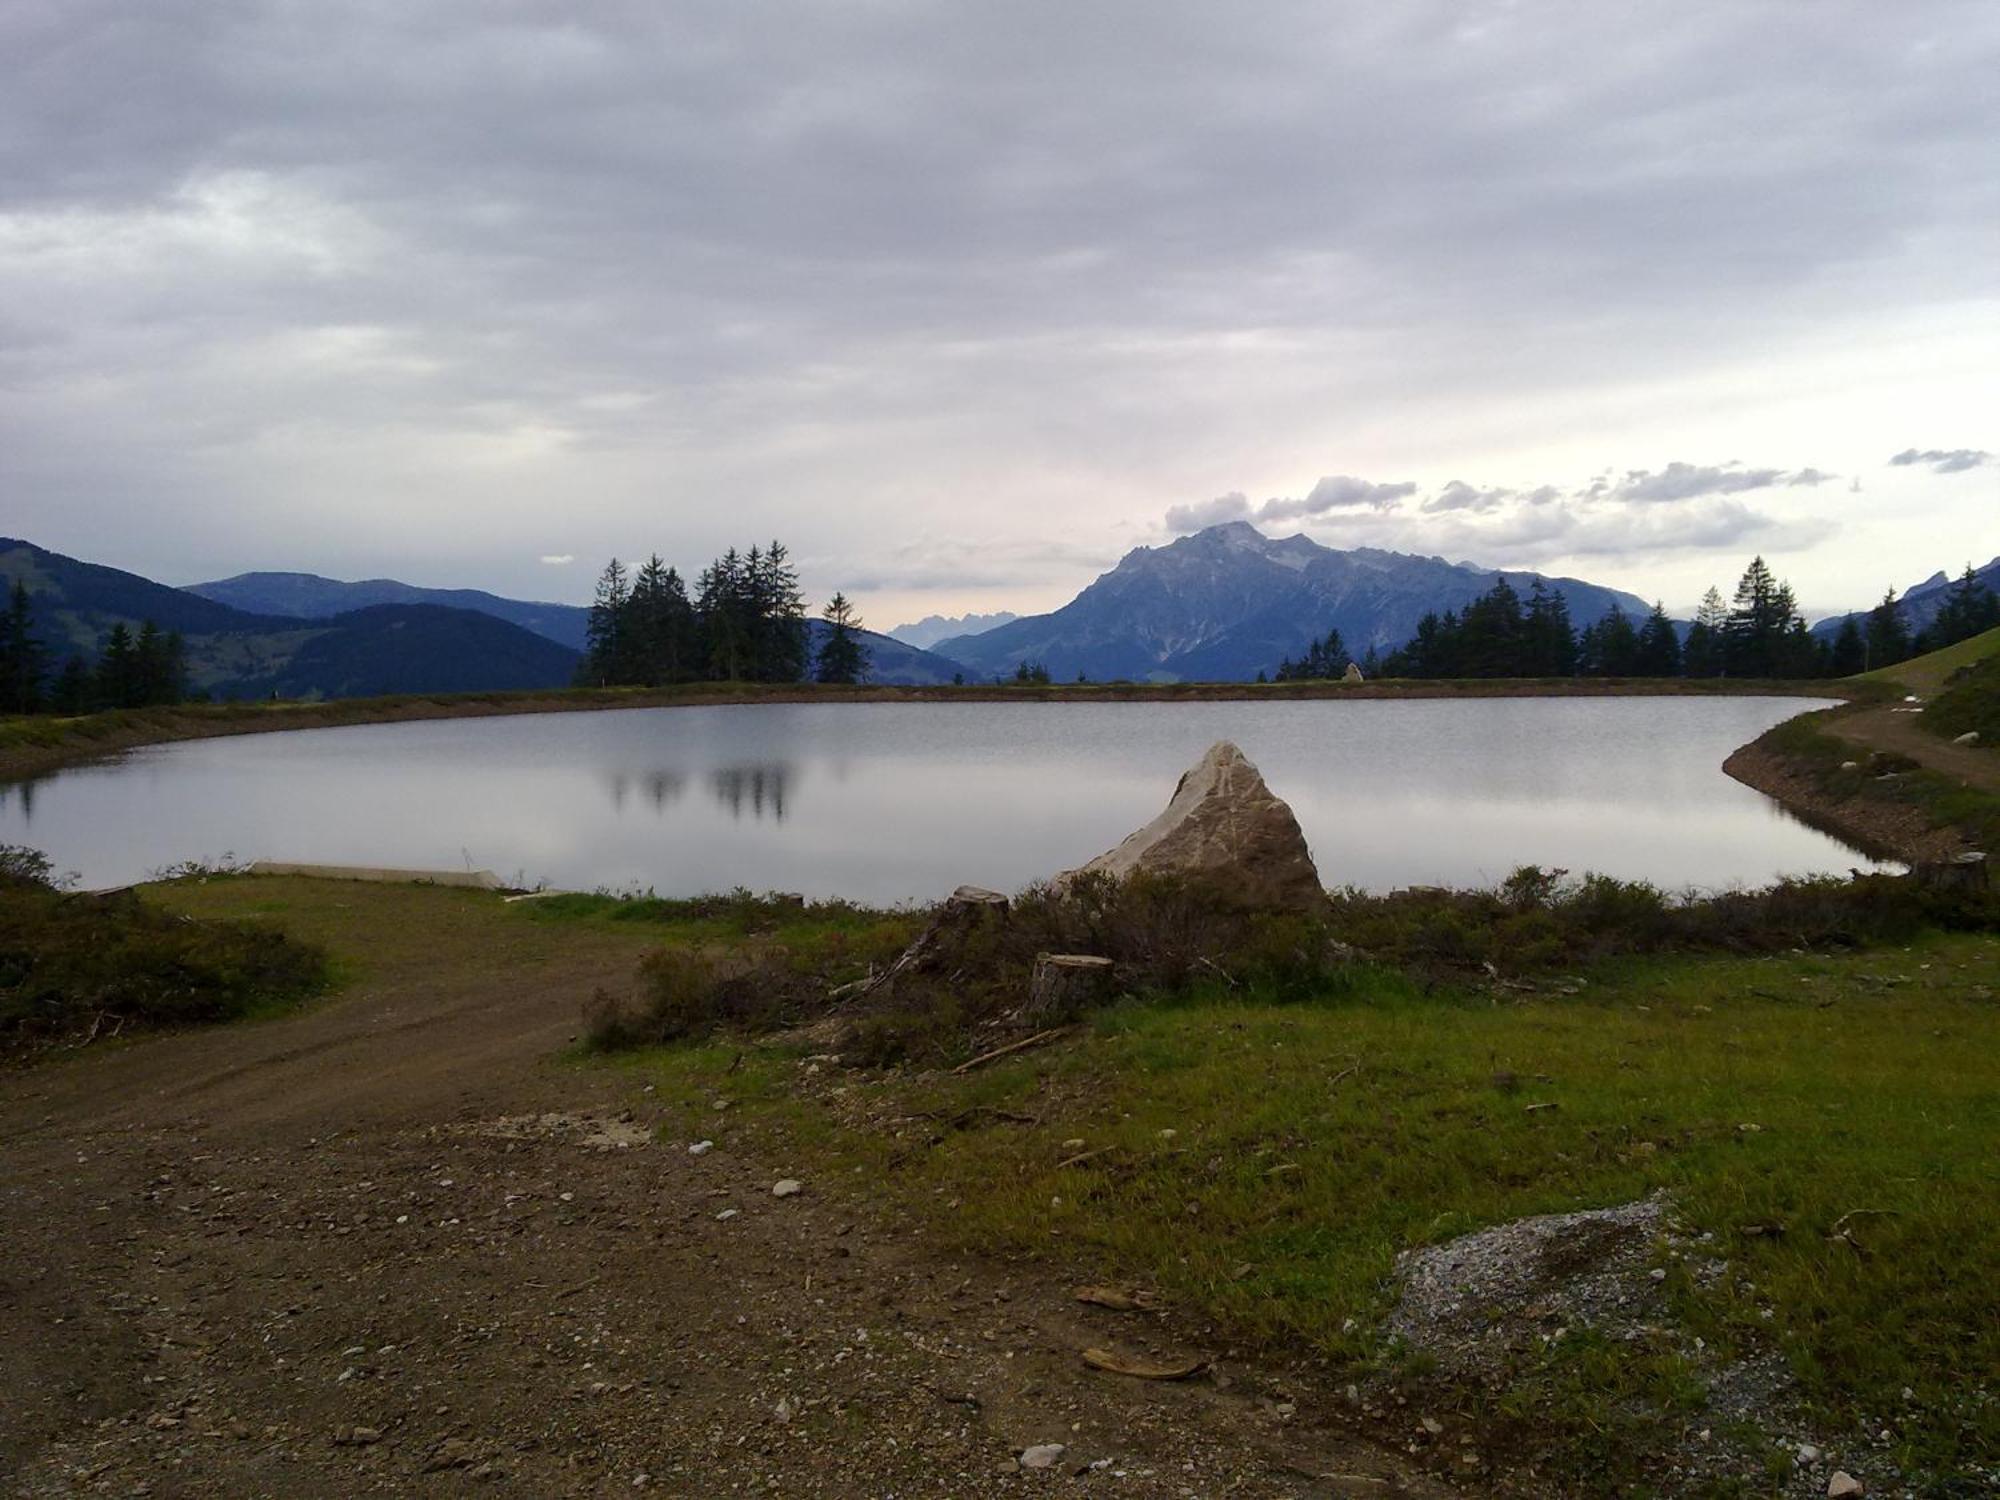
[(395, 1246)]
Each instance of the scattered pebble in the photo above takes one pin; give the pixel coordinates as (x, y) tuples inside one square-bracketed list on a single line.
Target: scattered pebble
[(701, 1148), (1043, 1455), (787, 1187), (1844, 1486)]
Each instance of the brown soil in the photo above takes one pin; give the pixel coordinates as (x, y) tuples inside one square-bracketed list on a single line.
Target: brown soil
[(37, 747), (396, 1244), (1879, 825)]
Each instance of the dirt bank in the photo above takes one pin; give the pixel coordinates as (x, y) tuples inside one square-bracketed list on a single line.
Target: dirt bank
[(395, 1245), (1880, 828)]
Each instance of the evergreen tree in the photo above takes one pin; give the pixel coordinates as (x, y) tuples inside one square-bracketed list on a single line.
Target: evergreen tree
[(1658, 653), (1701, 653), (71, 694), (1756, 638), (1887, 634), (1324, 658), (720, 601), (1850, 650), (842, 658), (117, 674), (783, 643), (1551, 640), (1610, 648), (23, 662), (1968, 610), (607, 655), (1031, 674)]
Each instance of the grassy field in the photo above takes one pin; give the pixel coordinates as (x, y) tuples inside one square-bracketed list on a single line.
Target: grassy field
[(1831, 1119), (1926, 674), (1262, 1164)]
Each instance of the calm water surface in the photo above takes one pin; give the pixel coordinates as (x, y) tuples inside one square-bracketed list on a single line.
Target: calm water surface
[(890, 802)]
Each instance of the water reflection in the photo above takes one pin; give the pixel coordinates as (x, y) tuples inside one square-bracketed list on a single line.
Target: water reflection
[(754, 789), (659, 788), (892, 802)]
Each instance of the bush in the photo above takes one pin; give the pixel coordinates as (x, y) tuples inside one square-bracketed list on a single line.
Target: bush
[(74, 967), (686, 994)]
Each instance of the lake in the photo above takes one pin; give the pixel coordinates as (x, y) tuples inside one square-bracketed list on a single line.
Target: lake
[(894, 802)]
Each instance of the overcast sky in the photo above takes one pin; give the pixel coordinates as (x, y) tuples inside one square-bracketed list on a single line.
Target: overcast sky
[(964, 301)]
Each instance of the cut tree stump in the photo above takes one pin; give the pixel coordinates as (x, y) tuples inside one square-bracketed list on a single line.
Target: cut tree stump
[(967, 910), (1065, 986), (1964, 872)]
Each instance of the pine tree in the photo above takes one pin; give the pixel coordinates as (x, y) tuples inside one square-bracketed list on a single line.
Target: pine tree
[(1610, 648), (1701, 653), (1659, 647), (1887, 633), (607, 654), (842, 658), (1850, 650), (1324, 659), (1551, 640), (1968, 609), (23, 662), (117, 676), (71, 694), (1756, 637), (783, 640)]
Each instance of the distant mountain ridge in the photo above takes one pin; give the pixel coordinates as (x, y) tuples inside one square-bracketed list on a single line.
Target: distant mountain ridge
[(1919, 603), (931, 629), (1229, 602), (308, 596), (237, 653)]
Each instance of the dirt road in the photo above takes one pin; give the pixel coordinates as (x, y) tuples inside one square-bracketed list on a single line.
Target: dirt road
[(397, 1245)]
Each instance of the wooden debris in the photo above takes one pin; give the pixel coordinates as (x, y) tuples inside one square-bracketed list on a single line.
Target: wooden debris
[(1139, 1369), (1021, 1046), (1117, 1301)]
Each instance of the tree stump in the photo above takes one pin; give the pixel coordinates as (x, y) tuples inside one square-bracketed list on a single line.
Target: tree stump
[(1963, 872), (965, 912), (1066, 985)]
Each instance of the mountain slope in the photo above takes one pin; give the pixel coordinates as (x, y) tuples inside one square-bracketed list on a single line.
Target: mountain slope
[(232, 653), (1228, 602), (413, 648), (1919, 604), (931, 629), (307, 596)]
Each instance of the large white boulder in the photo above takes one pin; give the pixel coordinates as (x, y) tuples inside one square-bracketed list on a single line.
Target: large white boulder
[(1223, 825)]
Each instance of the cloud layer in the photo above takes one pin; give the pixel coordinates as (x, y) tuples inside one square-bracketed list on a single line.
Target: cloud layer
[(444, 286)]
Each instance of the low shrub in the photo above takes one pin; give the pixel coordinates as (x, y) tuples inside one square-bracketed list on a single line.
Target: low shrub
[(686, 994), (74, 967)]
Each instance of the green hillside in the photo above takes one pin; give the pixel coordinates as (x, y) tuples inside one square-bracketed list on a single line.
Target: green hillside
[(231, 653), (1924, 675)]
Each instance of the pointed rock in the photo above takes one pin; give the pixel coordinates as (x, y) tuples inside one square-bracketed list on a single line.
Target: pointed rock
[(1223, 824)]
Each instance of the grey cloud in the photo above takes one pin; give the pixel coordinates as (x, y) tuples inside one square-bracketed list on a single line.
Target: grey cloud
[(1810, 478), (1460, 496), (1337, 492), (1943, 460), (1230, 507), (436, 267), (1685, 481)]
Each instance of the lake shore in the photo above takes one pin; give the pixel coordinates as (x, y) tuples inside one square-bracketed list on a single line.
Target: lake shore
[(35, 747)]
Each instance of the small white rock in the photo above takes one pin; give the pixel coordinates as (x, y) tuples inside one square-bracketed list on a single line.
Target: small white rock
[(1844, 1486), (1043, 1455), (701, 1148), (727, 1213), (787, 1188), (1809, 1453)]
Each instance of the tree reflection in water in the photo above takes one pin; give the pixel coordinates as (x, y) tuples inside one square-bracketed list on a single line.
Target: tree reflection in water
[(657, 787), (759, 788)]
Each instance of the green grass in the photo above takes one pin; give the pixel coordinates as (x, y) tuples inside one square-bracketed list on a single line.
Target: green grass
[(1926, 674), (1311, 1142), (1970, 701)]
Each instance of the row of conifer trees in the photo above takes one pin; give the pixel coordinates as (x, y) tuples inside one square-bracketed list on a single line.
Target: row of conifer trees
[(1759, 634), (139, 670), (743, 621)]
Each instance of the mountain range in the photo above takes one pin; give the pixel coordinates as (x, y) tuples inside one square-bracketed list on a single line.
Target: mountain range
[(307, 595), (1229, 602), (1919, 603), (931, 629)]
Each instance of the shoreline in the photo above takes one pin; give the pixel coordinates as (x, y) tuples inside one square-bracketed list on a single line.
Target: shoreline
[(35, 747)]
